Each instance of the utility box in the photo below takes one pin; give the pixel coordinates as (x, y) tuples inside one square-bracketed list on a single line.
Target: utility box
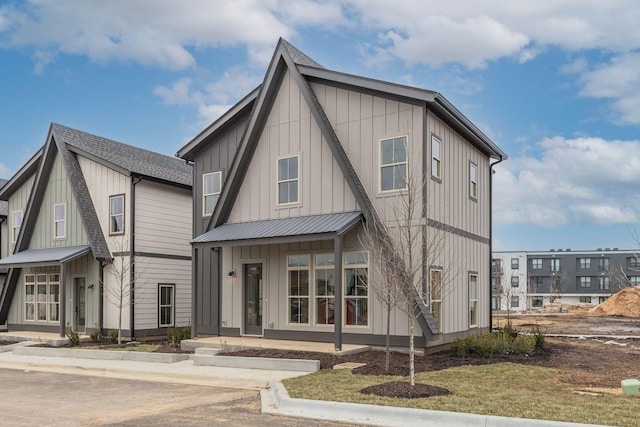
[(630, 387)]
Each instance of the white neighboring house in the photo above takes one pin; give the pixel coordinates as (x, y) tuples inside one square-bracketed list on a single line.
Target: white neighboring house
[(509, 281)]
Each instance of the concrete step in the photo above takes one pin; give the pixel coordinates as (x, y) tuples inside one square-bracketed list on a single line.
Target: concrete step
[(297, 365)]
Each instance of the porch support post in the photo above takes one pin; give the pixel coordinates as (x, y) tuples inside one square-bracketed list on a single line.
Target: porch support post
[(63, 299), (337, 304), (194, 292)]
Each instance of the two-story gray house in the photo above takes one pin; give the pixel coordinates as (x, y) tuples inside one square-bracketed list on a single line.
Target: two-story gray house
[(285, 181), (91, 220)]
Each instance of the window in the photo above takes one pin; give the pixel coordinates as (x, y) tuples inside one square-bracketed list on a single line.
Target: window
[(288, 180), (603, 284), (393, 164), (298, 288), (116, 214), (584, 263), (166, 305), (473, 181), (42, 297), (635, 280), (515, 281), (555, 264), (585, 299), (603, 264), (515, 301), (435, 297), (585, 282), (515, 263), (493, 283), (211, 187), (473, 300), (16, 223), (436, 162), (356, 281), (537, 302), (536, 264), (602, 299), (59, 220), (536, 282), (633, 262), (325, 288), (495, 303)]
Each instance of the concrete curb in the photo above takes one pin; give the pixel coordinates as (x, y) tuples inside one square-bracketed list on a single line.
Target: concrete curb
[(297, 365), (11, 347), (276, 401), (101, 354)]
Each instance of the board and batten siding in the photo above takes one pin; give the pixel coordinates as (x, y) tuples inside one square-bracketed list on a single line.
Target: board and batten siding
[(18, 202), (215, 156), (163, 219), (58, 190)]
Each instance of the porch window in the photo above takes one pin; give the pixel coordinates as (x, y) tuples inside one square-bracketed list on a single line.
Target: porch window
[(116, 214), (288, 180), (54, 297), (393, 164), (211, 187), (298, 289), (41, 297), (473, 300), (325, 289), (435, 298), (30, 297), (356, 283), (16, 223), (166, 305), (59, 220)]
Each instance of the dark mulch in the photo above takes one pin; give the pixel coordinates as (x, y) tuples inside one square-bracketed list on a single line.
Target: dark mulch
[(2, 342), (106, 344), (403, 389)]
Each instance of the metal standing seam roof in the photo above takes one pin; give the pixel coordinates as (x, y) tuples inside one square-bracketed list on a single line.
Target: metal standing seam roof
[(338, 223), (45, 256)]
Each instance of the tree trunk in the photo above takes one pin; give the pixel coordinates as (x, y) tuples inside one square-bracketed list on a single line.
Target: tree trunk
[(387, 355), (412, 350)]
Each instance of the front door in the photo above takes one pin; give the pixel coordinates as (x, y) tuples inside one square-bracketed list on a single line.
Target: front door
[(80, 310), (253, 299)]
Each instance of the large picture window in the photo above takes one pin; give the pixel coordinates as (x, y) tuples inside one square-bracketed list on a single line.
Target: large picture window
[(42, 297), (435, 294), (211, 187), (16, 223), (325, 289), (298, 288), (59, 220), (166, 305), (288, 176), (116, 214), (356, 285), (393, 164)]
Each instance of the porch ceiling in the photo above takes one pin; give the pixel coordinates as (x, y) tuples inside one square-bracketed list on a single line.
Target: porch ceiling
[(44, 257), (312, 227)]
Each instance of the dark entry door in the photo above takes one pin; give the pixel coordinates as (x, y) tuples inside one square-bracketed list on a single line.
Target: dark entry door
[(253, 299), (80, 300)]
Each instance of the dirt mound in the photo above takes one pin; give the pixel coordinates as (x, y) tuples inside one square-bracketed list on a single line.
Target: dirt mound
[(625, 303)]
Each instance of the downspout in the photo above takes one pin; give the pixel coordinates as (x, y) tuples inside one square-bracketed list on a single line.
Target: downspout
[(491, 172), (132, 253), (101, 297)]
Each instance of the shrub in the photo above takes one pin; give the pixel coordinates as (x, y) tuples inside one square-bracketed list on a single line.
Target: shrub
[(176, 335), (113, 336), (73, 336), (96, 336), (539, 336), (506, 341)]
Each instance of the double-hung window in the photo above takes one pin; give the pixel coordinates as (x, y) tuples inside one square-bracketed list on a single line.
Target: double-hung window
[(515, 263), (211, 187), (603, 264), (604, 283), (585, 282), (536, 264), (473, 181), (585, 263), (393, 164), (473, 300), (356, 284), (298, 289), (288, 180), (324, 273), (555, 264), (435, 294), (116, 214), (54, 297), (59, 221), (166, 305), (16, 223), (436, 159), (515, 281)]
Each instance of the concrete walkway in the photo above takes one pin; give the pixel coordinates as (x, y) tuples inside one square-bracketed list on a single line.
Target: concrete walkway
[(275, 399)]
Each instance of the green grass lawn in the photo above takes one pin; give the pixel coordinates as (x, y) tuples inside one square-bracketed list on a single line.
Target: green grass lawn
[(504, 389)]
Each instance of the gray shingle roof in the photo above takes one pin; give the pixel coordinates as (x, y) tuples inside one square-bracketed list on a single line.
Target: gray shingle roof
[(4, 206), (132, 159), (299, 57)]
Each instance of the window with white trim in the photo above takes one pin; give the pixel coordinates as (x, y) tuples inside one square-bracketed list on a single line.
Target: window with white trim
[(536, 264), (53, 298), (16, 223), (42, 297), (603, 283), (435, 294), (59, 220), (584, 263), (116, 214), (515, 263), (393, 164), (585, 282), (324, 273), (515, 281), (635, 280), (288, 177), (436, 159), (473, 180), (555, 264), (356, 285), (166, 305), (298, 289), (30, 297), (473, 300), (515, 301), (211, 187)]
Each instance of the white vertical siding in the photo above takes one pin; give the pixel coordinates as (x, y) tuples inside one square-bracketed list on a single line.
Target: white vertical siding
[(18, 202)]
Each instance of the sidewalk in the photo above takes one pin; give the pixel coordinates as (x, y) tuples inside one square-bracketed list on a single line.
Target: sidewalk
[(275, 399)]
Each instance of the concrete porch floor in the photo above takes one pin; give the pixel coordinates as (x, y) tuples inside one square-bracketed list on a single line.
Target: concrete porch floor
[(239, 343)]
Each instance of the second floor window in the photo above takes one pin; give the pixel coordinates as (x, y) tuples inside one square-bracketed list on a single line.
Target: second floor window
[(288, 180), (515, 281), (555, 264), (473, 181), (536, 263), (393, 164), (604, 283), (536, 282), (436, 159), (116, 214), (603, 264), (585, 263), (59, 221), (515, 263), (634, 262), (16, 223), (585, 282), (211, 186)]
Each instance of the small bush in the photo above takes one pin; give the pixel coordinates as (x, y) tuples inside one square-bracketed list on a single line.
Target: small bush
[(176, 335), (506, 341), (73, 336), (539, 336), (96, 336), (113, 336)]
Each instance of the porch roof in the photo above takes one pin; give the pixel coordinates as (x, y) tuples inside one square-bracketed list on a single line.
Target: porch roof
[(43, 257), (312, 227)]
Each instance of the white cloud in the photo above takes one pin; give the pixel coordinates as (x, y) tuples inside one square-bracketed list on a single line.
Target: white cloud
[(582, 180), (4, 171)]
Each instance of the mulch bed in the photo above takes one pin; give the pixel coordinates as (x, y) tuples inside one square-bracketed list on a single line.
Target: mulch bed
[(405, 390)]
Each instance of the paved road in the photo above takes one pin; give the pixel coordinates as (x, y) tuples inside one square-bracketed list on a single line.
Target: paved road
[(29, 398)]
